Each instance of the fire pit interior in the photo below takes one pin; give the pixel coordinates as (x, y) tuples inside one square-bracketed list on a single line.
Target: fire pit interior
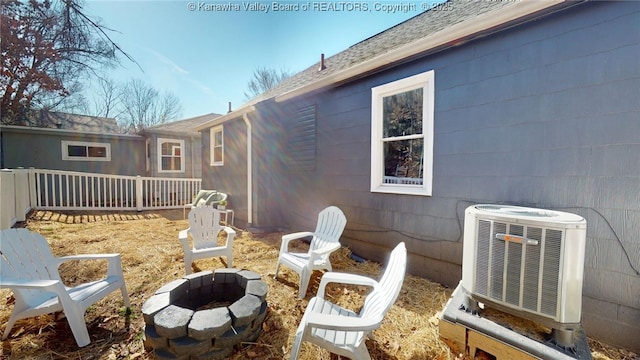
[(205, 315)]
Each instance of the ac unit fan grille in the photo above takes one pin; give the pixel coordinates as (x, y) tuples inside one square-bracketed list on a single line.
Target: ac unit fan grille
[(525, 276)]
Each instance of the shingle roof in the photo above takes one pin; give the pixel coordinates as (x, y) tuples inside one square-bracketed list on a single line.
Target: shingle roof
[(417, 27), (66, 121), (185, 126), (452, 23)]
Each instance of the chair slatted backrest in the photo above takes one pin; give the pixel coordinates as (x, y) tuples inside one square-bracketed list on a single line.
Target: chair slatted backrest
[(204, 226), (26, 255), (331, 223), (380, 300)]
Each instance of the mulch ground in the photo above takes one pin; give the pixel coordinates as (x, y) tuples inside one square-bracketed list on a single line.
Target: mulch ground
[(152, 257)]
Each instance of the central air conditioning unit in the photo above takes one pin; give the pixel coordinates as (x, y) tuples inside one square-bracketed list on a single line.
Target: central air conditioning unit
[(525, 261)]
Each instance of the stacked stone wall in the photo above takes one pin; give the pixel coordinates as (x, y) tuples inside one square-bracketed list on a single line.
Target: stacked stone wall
[(206, 315)]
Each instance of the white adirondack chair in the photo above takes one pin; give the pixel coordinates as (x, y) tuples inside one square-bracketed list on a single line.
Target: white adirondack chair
[(325, 240), (204, 228), (342, 331), (30, 270)]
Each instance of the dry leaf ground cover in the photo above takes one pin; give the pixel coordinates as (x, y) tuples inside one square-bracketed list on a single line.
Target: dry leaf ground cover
[(152, 257)]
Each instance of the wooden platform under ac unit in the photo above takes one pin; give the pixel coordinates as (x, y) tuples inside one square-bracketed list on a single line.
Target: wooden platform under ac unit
[(499, 336)]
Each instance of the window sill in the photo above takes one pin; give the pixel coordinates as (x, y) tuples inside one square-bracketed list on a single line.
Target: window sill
[(402, 190)]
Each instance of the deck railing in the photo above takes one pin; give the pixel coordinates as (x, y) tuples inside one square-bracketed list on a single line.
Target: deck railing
[(22, 190)]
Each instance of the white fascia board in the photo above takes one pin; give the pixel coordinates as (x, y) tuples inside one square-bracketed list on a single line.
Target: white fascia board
[(450, 36), (246, 109)]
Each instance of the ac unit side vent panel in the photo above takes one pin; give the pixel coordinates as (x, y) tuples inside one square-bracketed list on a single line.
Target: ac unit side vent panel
[(530, 283), (516, 273)]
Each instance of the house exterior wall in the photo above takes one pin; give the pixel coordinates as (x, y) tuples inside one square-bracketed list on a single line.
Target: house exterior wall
[(41, 148), (543, 115), (267, 190), (195, 156), (231, 177)]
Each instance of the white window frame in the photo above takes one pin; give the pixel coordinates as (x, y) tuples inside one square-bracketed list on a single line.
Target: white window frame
[(212, 146), (65, 151), (426, 81), (182, 155), (147, 151)]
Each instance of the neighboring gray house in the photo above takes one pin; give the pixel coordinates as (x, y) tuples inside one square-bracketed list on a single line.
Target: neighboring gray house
[(61, 141), (175, 149), (531, 103)]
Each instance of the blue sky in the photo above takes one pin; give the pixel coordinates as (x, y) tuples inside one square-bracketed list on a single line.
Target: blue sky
[(206, 56)]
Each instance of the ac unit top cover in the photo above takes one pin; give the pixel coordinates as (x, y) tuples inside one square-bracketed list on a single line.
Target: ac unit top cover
[(528, 215)]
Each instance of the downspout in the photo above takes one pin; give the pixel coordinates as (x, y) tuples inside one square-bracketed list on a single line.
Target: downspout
[(245, 117)]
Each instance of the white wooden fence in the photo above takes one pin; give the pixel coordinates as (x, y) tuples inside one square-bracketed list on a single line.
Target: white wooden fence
[(24, 189)]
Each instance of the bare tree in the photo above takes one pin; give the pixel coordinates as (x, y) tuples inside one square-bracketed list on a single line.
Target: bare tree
[(73, 102), (47, 47), (263, 80), (168, 108), (107, 101), (143, 106)]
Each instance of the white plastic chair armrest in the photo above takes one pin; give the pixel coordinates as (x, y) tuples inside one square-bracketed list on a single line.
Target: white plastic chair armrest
[(29, 284), (54, 286), (318, 253), (183, 236), (344, 278), (344, 323), (326, 250), (228, 230), (230, 235), (284, 246)]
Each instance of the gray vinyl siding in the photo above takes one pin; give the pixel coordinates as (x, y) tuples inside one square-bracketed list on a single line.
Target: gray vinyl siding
[(230, 178), (544, 115), (42, 149)]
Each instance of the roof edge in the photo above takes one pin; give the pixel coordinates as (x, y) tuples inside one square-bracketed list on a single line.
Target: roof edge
[(450, 36), (67, 131), (245, 109)]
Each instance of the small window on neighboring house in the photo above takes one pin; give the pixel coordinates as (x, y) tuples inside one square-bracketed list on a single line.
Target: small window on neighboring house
[(85, 151), (170, 158), (402, 135), (217, 146)]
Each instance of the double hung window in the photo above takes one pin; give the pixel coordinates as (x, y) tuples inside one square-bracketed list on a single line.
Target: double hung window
[(170, 155), (402, 135), (217, 146)]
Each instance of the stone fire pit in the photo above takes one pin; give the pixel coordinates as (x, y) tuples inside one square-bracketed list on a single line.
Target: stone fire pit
[(205, 315)]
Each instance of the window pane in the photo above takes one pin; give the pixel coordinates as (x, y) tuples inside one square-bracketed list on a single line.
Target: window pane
[(77, 150), (403, 159), (217, 154), (217, 138), (171, 163), (97, 151), (402, 114), (167, 147)]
